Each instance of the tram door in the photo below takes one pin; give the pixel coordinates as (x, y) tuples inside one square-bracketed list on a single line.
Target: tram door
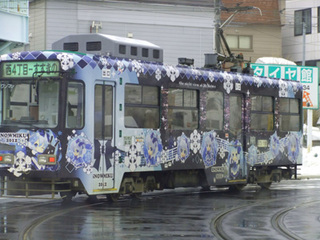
[(236, 121), (238, 168), (103, 135)]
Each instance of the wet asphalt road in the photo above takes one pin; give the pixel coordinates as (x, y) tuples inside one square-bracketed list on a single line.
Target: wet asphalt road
[(289, 210)]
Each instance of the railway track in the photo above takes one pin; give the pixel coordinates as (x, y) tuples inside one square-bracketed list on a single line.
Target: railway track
[(277, 220), (26, 233)]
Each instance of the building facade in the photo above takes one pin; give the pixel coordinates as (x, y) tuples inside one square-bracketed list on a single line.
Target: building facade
[(182, 28), (295, 46)]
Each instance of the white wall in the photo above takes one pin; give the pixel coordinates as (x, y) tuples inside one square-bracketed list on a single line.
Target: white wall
[(182, 31), (292, 47)]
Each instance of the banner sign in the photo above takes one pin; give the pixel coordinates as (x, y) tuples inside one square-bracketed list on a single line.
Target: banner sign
[(308, 76)]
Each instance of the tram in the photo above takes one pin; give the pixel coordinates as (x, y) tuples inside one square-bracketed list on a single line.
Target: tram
[(101, 114)]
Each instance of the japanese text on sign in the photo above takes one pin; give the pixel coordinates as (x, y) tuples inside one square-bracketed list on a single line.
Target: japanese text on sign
[(27, 69), (308, 76)]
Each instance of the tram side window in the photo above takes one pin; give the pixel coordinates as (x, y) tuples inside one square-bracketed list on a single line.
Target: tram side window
[(262, 113), (214, 110), (142, 106), (183, 110), (75, 105), (289, 114)]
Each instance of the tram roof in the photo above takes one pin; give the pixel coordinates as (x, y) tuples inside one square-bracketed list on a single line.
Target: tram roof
[(70, 60)]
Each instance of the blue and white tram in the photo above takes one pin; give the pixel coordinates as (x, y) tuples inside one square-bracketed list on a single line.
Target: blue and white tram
[(122, 123)]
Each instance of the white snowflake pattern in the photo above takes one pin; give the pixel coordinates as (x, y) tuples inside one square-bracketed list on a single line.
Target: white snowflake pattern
[(136, 67), (172, 73), (222, 152), (133, 156), (66, 61), (196, 73), (240, 78), (257, 81), (104, 62), (116, 156), (195, 139), (87, 169), (158, 74), (211, 76), (16, 56), (22, 164), (228, 82), (283, 89)]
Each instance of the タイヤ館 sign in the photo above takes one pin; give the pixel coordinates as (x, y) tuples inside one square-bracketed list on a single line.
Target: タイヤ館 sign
[(308, 76)]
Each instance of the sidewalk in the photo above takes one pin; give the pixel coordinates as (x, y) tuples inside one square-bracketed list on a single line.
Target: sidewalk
[(310, 163)]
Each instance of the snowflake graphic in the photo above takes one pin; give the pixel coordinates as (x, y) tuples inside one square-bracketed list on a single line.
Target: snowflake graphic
[(104, 62), (257, 81), (195, 139), (87, 168), (16, 56), (22, 164), (172, 73), (211, 76), (133, 156), (228, 82), (66, 61), (136, 67), (158, 74), (196, 73), (283, 89)]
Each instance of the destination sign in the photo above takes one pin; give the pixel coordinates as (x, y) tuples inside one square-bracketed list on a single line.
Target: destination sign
[(27, 69)]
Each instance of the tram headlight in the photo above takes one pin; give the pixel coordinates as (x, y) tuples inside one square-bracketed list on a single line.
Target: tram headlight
[(47, 159), (6, 158)]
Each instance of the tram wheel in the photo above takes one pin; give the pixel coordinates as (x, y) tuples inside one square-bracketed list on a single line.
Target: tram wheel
[(236, 187), (113, 197), (136, 195), (67, 196), (265, 185)]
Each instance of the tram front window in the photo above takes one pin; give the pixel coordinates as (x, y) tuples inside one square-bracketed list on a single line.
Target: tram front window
[(30, 103)]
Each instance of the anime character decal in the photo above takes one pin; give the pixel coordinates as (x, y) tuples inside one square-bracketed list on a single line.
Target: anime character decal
[(28, 146), (152, 148), (235, 159), (294, 146), (281, 150), (183, 150), (209, 149), (79, 153)]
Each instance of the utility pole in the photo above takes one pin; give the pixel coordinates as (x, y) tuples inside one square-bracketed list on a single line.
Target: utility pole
[(217, 23), (309, 111)]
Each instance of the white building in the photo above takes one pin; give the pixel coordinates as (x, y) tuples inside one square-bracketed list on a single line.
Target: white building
[(181, 30), (297, 12)]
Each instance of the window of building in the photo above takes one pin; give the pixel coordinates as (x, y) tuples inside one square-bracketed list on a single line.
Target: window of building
[(75, 105), (262, 113), (239, 42), (183, 110), (290, 117), (142, 106), (300, 17), (215, 108)]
